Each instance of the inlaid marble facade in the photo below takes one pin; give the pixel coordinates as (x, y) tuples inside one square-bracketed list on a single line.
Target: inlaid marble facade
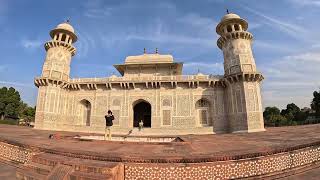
[(151, 88)]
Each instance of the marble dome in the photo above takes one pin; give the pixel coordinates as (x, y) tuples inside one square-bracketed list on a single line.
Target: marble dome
[(65, 26), (230, 16)]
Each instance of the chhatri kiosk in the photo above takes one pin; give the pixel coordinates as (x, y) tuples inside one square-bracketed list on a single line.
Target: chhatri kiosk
[(153, 89)]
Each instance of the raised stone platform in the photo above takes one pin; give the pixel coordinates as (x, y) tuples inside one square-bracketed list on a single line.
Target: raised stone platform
[(277, 152)]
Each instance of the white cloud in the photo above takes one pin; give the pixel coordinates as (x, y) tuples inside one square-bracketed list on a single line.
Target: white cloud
[(158, 32), (31, 44), (306, 57), (203, 67), (98, 13), (173, 38), (198, 21), (273, 46), (9, 83), (305, 2), (291, 79), (254, 25), (289, 28), (85, 43)]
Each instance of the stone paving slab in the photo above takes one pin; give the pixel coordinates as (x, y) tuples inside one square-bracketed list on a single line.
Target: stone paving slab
[(7, 172)]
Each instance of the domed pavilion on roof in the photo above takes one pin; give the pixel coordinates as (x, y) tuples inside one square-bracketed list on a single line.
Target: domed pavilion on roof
[(151, 88)]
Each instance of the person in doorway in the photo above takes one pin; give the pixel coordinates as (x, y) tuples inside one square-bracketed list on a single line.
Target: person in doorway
[(109, 118), (140, 125)]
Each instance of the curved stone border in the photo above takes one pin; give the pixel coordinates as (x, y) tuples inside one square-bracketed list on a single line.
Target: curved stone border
[(225, 169), (182, 159), (228, 169), (14, 153)]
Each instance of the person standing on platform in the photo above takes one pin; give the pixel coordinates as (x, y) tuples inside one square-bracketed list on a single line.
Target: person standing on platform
[(109, 118)]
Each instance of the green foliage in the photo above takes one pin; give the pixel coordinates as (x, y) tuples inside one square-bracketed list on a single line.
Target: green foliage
[(315, 104), (9, 121), (11, 106), (276, 120), (26, 112), (290, 116), (272, 116), (271, 111), (9, 102)]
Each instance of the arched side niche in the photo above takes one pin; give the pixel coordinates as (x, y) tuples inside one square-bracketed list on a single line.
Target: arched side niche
[(166, 112), (203, 112), (116, 108), (85, 112)]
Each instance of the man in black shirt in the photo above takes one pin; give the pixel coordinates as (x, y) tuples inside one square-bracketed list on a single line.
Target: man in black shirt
[(109, 118)]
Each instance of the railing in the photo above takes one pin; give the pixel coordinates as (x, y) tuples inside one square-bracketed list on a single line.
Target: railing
[(148, 78)]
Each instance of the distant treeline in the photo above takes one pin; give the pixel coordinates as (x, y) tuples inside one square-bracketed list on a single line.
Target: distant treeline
[(293, 115)]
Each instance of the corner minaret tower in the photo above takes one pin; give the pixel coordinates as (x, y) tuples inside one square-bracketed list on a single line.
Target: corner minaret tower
[(52, 92), (242, 80), (59, 52)]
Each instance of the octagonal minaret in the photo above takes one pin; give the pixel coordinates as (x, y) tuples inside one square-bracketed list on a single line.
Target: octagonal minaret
[(242, 80), (59, 52), (235, 43), (52, 92)]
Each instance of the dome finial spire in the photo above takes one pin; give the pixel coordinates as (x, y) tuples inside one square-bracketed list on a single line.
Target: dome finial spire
[(68, 20), (228, 11)]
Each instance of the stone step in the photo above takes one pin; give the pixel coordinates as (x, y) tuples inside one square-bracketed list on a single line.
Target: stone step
[(49, 159), (23, 173), (54, 165), (97, 167), (92, 176), (60, 172), (39, 168)]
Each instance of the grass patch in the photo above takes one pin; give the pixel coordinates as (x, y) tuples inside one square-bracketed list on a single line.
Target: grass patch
[(9, 121)]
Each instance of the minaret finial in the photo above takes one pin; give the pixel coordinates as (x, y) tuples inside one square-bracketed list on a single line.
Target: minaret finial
[(227, 11), (156, 50), (144, 51), (68, 20), (198, 70)]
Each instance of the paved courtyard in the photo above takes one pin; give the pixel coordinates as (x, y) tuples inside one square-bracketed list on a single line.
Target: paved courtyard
[(194, 148)]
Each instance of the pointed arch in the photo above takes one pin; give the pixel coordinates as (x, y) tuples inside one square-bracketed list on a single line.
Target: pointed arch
[(203, 111), (141, 111)]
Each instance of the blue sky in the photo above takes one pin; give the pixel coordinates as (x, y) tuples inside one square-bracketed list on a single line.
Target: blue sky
[(286, 45)]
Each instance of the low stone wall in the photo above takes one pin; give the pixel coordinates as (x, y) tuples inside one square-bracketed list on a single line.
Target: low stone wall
[(261, 166), (264, 165), (15, 153)]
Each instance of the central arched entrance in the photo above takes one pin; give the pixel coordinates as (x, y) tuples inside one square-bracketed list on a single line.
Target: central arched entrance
[(142, 111)]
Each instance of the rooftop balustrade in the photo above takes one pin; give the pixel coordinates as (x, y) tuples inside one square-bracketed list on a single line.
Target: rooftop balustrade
[(147, 78)]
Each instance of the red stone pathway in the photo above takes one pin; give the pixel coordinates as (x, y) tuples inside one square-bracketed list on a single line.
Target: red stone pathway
[(195, 148)]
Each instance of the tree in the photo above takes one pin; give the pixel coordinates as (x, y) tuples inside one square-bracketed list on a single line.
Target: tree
[(272, 116), (3, 93), (278, 120), (291, 108), (301, 117), (9, 103), (315, 104), (27, 112), (293, 113)]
